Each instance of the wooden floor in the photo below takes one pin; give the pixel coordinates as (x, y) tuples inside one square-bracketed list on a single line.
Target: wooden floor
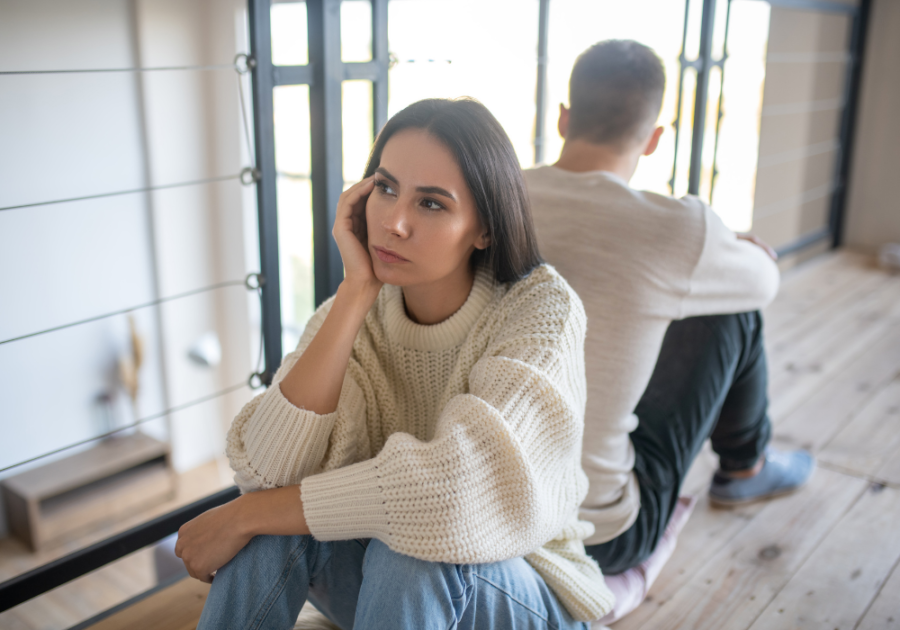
[(826, 557)]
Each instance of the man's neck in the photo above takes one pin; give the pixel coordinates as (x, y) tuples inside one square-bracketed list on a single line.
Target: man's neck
[(580, 156)]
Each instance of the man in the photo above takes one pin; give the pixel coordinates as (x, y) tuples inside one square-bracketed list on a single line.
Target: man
[(664, 284)]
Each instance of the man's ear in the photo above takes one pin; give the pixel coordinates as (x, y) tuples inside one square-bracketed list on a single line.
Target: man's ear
[(653, 142), (563, 124)]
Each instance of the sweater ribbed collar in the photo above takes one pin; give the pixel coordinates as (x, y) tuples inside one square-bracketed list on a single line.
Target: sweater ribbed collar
[(449, 333)]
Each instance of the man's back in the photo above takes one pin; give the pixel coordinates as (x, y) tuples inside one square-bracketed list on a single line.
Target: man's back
[(638, 261)]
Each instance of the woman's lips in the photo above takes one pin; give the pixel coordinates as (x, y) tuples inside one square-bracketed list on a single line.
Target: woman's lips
[(387, 256)]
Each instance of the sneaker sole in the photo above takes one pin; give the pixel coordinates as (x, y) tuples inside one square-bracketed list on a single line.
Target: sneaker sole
[(763, 497), (722, 502)]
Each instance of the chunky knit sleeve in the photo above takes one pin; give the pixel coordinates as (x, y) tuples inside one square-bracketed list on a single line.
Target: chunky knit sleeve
[(501, 476), (272, 443)]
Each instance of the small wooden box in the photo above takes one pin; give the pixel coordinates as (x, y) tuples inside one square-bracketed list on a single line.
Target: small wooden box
[(91, 489)]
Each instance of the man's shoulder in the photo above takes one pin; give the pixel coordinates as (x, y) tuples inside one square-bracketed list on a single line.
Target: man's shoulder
[(563, 201)]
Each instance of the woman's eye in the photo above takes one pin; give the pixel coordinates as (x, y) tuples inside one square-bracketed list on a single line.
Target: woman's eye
[(431, 204), (385, 187)]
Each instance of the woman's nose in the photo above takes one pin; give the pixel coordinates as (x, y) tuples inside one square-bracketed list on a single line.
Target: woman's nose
[(396, 220)]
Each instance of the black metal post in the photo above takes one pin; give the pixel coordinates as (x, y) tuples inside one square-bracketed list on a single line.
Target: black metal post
[(848, 122), (324, 22), (719, 111), (380, 55), (683, 65), (266, 186), (541, 96), (702, 95)]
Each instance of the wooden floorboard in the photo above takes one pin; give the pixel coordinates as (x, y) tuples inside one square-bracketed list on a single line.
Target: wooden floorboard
[(814, 291), (870, 443), (798, 369), (176, 607), (839, 581), (822, 416), (741, 578), (884, 613)]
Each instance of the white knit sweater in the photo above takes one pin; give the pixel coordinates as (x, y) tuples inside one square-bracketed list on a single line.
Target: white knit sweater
[(458, 442)]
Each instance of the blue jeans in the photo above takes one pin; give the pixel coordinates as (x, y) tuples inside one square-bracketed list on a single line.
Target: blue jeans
[(363, 584)]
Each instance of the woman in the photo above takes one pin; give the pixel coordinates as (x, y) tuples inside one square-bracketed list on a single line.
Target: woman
[(415, 463)]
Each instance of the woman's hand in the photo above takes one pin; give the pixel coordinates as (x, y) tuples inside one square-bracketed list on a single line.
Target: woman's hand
[(351, 234), (208, 542), (315, 381)]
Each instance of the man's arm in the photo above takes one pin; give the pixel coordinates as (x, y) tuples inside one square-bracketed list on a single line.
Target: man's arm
[(759, 243), (734, 274)]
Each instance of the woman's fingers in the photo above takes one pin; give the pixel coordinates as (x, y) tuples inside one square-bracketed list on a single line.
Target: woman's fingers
[(353, 195), (350, 231)]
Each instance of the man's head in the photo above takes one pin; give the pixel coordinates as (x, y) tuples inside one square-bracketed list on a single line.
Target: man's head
[(615, 95)]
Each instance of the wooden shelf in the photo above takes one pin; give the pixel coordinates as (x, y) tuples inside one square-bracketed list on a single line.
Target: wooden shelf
[(71, 496)]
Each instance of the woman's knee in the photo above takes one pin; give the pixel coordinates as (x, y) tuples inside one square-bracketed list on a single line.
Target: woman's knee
[(379, 557), (406, 572), (268, 553)]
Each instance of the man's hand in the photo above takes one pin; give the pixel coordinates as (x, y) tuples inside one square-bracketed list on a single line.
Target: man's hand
[(759, 243)]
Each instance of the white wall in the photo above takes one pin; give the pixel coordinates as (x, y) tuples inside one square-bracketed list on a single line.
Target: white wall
[(873, 210), (70, 135), (193, 132)]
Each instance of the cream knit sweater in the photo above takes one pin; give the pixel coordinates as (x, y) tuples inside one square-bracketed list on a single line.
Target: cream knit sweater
[(458, 442)]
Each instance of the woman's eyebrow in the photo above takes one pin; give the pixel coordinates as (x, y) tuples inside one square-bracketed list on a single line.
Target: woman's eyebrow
[(435, 190), (384, 171), (428, 190)]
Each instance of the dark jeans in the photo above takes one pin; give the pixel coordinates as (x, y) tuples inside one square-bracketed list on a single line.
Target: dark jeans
[(709, 382)]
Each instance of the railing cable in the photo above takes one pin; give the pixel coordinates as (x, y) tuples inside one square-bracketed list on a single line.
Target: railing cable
[(116, 70), (143, 420), (221, 285), (132, 191)]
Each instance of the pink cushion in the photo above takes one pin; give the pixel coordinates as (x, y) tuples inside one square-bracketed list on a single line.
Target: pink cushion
[(632, 586)]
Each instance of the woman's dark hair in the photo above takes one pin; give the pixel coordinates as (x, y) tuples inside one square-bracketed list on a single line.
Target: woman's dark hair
[(491, 170)]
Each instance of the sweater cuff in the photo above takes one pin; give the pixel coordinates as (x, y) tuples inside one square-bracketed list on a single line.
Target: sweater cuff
[(346, 504), (285, 426), (281, 443)]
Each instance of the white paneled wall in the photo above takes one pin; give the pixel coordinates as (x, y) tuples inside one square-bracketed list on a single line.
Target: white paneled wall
[(72, 135), (873, 210)]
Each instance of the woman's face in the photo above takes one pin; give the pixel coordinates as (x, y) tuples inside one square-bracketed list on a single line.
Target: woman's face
[(421, 217)]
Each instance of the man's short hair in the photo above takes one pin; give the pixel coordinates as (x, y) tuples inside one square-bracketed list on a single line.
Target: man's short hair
[(615, 93)]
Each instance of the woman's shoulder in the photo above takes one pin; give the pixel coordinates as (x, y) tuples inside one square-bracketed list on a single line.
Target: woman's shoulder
[(542, 304)]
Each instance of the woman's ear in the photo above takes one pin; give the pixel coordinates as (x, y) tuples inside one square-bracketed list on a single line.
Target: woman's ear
[(483, 241)]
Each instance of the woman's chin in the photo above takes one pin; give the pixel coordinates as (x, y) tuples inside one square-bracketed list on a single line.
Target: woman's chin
[(389, 275)]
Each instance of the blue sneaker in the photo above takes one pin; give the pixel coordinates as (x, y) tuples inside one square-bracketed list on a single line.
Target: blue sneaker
[(782, 473)]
